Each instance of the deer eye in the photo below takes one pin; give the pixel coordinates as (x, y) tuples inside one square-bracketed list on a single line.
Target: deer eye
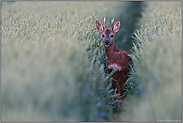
[(102, 35), (112, 36)]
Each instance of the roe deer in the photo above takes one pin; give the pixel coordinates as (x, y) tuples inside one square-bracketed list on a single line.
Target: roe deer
[(116, 58)]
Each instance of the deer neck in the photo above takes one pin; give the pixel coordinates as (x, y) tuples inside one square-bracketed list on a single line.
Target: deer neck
[(111, 50)]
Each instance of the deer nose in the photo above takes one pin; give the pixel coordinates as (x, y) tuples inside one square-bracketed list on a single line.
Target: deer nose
[(107, 42)]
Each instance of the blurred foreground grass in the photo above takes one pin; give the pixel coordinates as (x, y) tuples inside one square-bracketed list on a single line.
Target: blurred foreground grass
[(157, 59), (46, 73), (53, 63)]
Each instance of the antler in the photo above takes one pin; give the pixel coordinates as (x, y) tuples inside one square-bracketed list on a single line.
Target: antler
[(105, 23), (111, 22)]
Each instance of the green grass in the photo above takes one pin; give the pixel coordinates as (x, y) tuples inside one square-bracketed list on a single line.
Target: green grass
[(157, 61), (45, 66), (54, 63)]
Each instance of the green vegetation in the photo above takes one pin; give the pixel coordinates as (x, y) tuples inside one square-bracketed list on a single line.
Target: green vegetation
[(157, 61), (54, 63), (129, 19)]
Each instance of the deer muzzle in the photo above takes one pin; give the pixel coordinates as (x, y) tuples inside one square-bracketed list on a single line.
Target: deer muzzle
[(106, 43)]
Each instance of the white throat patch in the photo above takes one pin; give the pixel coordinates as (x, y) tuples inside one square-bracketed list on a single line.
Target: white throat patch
[(114, 66)]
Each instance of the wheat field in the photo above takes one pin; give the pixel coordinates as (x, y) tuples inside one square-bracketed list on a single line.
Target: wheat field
[(54, 64)]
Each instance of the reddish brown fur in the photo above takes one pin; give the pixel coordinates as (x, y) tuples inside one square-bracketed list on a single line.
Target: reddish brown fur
[(115, 56)]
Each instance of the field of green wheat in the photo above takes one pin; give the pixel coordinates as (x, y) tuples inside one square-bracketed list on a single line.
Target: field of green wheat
[(53, 64)]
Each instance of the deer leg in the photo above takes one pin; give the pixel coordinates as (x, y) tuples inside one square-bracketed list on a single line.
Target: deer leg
[(115, 85), (122, 86)]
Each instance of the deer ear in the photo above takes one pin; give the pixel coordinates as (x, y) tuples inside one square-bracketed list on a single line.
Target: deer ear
[(99, 26), (116, 26)]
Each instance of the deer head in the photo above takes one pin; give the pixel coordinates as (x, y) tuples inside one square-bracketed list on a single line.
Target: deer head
[(108, 33)]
